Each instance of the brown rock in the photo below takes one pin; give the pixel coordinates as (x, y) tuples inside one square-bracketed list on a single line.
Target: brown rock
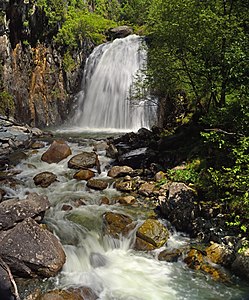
[(84, 160), (124, 186), (126, 200), (31, 250), (119, 171), (84, 293), (97, 184), (153, 232), (83, 175), (66, 207), (117, 224), (37, 145), (147, 188), (220, 254), (44, 179), (104, 200), (171, 255), (57, 151)]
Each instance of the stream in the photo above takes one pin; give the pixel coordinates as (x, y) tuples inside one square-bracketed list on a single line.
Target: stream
[(110, 267)]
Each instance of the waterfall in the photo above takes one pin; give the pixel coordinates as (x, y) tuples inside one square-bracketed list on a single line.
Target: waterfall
[(104, 102)]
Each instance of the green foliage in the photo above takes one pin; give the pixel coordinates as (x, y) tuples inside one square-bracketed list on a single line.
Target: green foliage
[(188, 174), (109, 9), (81, 25), (68, 62), (135, 11), (6, 103)]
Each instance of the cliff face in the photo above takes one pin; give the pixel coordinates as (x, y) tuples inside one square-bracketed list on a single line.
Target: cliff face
[(32, 75)]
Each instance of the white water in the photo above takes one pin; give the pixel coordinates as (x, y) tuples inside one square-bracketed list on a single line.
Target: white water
[(110, 267), (110, 71)]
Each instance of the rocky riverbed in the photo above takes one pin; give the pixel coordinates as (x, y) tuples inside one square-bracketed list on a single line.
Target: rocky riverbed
[(31, 247)]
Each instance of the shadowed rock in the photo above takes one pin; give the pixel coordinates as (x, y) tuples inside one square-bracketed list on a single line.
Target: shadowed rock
[(31, 250)]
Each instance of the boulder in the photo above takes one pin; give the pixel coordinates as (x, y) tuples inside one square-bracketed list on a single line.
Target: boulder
[(170, 255), (119, 171), (100, 146), (147, 188), (84, 160), (153, 232), (124, 186), (97, 184), (83, 293), (57, 151), (127, 200), (13, 211), (31, 250), (83, 175), (111, 151), (181, 198), (220, 254), (44, 179), (120, 32), (117, 224), (37, 145)]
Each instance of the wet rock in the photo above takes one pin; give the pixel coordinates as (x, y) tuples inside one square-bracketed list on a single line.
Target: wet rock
[(196, 260), (37, 145), (153, 232), (66, 207), (147, 188), (16, 157), (13, 211), (44, 179), (79, 202), (83, 175), (124, 186), (127, 200), (97, 260), (83, 293), (181, 198), (117, 224), (112, 151), (120, 32), (31, 250), (170, 255), (142, 245), (97, 184), (220, 254), (84, 160), (104, 200), (57, 151), (119, 171), (100, 146)]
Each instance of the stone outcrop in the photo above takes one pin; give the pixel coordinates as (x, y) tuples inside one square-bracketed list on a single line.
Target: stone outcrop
[(31, 250), (13, 211), (57, 151), (33, 70)]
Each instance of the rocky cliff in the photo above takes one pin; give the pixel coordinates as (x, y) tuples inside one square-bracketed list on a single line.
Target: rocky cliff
[(35, 86)]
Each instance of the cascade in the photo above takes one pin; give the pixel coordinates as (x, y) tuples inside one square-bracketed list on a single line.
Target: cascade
[(110, 71)]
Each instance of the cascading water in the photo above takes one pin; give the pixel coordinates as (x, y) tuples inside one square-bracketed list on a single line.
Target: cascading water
[(104, 102), (110, 267)]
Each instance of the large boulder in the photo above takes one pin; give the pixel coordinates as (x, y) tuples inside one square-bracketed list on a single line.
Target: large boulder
[(57, 151), (220, 254), (44, 179), (120, 32), (119, 171), (31, 250), (152, 232), (117, 224), (84, 160), (13, 211), (180, 206)]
